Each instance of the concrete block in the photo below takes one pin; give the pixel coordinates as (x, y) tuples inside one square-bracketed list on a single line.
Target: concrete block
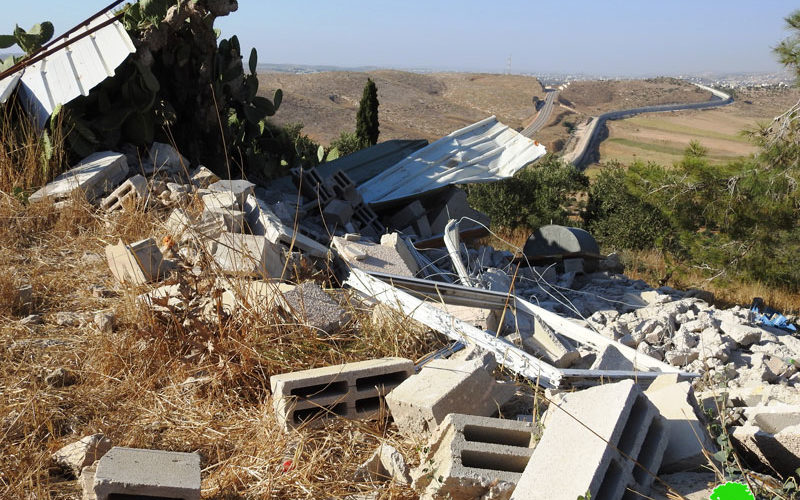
[(239, 188), (688, 436), (485, 319), (248, 255), (571, 460), (95, 175), (741, 334), (771, 435), (179, 225), (337, 212), (73, 457), (353, 390), (611, 359), (381, 258), (231, 220), (385, 464), (444, 386), (202, 177), (137, 263), (310, 305), (396, 241), (407, 215), (164, 158), (147, 473), (469, 455), (134, 188), (456, 207), (220, 200), (422, 227)]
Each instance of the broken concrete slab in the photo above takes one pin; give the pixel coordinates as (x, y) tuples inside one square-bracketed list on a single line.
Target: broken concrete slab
[(248, 255), (231, 220), (380, 258), (386, 464), (224, 200), (544, 342), (468, 455), (620, 417), (94, 176), (130, 191), (73, 457), (239, 188), (352, 390), (396, 241), (147, 473), (743, 335), (262, 221), (202, 177), (455, 206), (443, 386), (137, 263), (771, 435), (310, 305), (689, 442)]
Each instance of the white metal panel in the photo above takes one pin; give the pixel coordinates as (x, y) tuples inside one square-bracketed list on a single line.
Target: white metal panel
[(73, 70), (7, 86), (482, 152)]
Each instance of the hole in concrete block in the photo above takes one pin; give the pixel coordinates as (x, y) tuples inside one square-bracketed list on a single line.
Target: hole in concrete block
[(510, 437), (648, 456), (306, 414), (124, 496), (634, 425), (321, 390), (610, 487), (368, 405), (493, 461), (386, 380)]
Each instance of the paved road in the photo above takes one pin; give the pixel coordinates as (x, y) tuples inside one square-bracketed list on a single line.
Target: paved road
[(587, 133), (544, 114)]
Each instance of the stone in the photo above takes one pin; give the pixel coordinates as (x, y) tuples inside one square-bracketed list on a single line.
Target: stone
[(148, 473), (131, 191), (248, 255), (104, 322), (73, 457), (680, 358), (611, 359), (310, 305), (94, 176), (202, 177), (741, 334), (60, 377), (386, 464)]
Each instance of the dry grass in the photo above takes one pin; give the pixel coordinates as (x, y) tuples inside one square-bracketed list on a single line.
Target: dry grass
[(166, 380)]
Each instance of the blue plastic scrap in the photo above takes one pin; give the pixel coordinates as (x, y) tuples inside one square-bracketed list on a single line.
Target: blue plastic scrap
[(770, 317)]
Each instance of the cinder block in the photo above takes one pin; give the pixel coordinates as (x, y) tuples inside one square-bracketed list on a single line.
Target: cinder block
[(442, 387), (136, 264), (353, 390), (95, 175), (132, 472), (345, 188), (571, 460), (368, 220), (337, 212), (688, 436), (248, 255), (471, 454), (407, 215), (133, 188)]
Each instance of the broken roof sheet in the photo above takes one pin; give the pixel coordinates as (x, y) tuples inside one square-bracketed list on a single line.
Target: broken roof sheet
[(485, 151), (367, 163), (72, 71)]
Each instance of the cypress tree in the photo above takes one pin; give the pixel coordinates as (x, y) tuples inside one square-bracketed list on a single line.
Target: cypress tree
[(367, 117)]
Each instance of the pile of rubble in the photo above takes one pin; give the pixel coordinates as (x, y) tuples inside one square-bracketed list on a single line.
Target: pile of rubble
[(597, 372)]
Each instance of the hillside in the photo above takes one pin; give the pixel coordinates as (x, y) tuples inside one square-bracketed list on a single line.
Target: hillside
[(412, 105)]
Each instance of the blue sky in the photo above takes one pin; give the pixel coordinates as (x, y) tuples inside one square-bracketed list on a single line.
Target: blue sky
[(633, 37)]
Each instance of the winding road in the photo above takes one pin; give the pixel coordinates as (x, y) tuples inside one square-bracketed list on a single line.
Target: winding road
[(587, 133), (544, 114)]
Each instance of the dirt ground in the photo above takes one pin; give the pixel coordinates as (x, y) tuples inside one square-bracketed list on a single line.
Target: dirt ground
[(596, 97)]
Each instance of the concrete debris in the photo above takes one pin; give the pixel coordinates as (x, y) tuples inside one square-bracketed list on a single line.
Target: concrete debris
[(386, 464), (421, 403), (165, 159), (771, 436), (620, 418), (131, 191), (137, 263), (353, 390), (60, 377), (201, 177), (248, 255), (471, 455), (311, 306), (134, 472), (104, 322), (94, 176), (372, 257), (73, 457)]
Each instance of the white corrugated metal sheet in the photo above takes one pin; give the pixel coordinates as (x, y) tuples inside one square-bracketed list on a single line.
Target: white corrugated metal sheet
[(73, 70), (485, 151)]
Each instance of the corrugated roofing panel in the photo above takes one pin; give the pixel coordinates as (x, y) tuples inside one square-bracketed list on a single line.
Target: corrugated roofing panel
[(367, 163), (73, 70), (7, 85), (485, 151)]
